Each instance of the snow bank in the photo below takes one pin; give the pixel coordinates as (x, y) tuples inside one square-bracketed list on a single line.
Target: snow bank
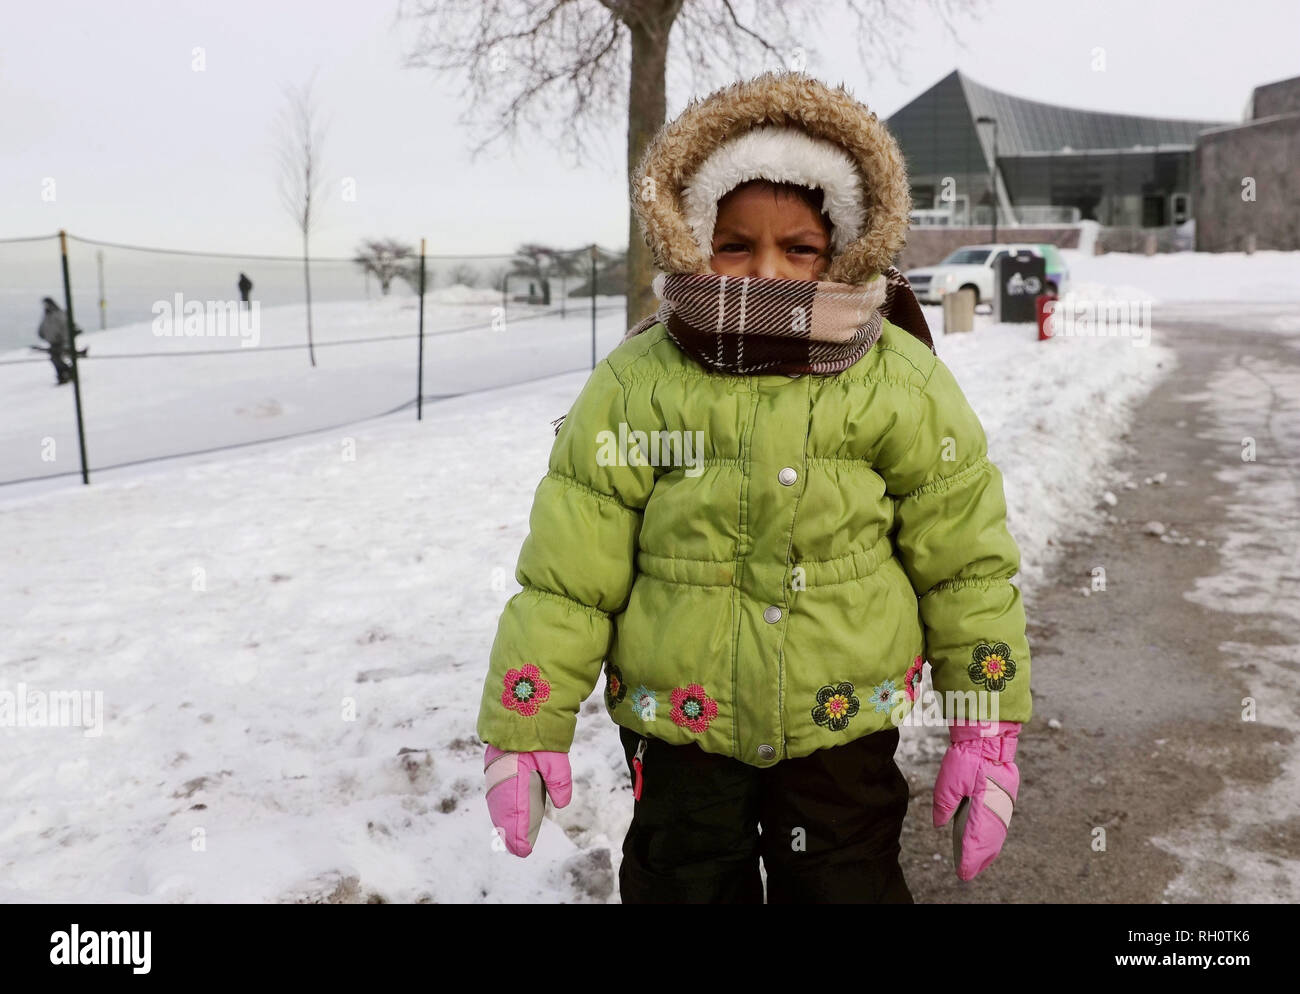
[(269, 634), (459, 293), (183, 399), (1181, 277)]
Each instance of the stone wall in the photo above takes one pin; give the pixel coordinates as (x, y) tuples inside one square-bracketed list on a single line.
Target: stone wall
[(1273, 99), (927, 245), (1142, 240), (1265, 152)]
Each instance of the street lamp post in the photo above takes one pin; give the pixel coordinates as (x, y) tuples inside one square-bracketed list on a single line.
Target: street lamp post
[(993, 175)]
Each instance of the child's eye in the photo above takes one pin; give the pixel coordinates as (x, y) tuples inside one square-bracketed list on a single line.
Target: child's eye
[(804, 249), (731, 247)]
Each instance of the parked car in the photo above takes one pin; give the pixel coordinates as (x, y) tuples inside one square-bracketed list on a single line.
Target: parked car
[(1058, 273), (974, 266)]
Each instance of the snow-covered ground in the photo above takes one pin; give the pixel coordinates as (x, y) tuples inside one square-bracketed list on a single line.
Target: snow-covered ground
[(290, 641), (202, 392), (1191, 276)]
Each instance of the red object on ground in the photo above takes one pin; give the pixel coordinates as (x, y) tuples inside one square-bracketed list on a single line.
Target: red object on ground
[(1040, 309)]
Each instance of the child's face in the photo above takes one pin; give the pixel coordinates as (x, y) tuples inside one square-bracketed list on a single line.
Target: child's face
[(776, 236)]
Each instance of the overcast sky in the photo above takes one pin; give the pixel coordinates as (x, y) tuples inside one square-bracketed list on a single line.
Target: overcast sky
[(101, 97)]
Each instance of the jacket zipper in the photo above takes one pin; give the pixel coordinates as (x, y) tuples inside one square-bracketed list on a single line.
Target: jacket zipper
[(636, 764)]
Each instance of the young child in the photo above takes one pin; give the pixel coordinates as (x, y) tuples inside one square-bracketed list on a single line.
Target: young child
[(766, 509)]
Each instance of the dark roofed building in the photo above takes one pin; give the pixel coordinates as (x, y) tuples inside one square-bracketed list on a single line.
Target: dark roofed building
[(1118, 169)]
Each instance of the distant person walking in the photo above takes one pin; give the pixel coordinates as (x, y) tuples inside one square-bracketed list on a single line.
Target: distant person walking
[(54, 330), (245, 287)]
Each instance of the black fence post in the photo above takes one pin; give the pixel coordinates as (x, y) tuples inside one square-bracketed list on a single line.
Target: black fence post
[(593, 305), (72, 346), (419, 376)]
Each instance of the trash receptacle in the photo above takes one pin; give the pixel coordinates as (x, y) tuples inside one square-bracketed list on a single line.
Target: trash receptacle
[(959, 311), (1022, 276), (1045, 308)]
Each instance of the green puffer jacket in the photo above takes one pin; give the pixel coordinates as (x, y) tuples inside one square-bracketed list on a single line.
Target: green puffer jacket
[(770, 594)]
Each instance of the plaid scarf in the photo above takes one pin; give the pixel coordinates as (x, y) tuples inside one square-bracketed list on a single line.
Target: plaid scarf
[(747, 325), (754, 325)]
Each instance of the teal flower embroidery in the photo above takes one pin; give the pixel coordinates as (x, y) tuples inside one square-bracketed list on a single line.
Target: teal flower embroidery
[(645, 703), (883, 695)]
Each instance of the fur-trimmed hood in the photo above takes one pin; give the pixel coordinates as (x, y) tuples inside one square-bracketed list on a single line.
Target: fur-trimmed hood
[(781, 99)]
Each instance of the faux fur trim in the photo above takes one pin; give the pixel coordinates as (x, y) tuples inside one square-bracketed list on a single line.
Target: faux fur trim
[(782, 155), (783, 99)]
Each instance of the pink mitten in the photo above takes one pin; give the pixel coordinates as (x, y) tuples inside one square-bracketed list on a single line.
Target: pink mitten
[(515, 795), (979, 780)]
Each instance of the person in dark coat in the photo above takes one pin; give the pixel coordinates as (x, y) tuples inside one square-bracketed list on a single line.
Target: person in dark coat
[(54, 330), (245, 287)]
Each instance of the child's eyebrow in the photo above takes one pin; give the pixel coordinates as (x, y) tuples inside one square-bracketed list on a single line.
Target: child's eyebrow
[(802, 235)]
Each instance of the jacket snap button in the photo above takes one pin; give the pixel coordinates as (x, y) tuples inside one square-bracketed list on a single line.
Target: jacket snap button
[(787, 476), (765, 751), (772, 615)]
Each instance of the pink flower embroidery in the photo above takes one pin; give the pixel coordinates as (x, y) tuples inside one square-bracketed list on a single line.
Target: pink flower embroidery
[(693, 708), (912, 679), (525, 690)]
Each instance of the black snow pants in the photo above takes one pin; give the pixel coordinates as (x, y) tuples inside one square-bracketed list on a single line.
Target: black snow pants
[(830, 822), (62, 363)]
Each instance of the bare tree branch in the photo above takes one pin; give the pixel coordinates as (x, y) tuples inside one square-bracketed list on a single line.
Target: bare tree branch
[(533, 63), (565, 68), (302, 138), (731, 12), (562, 64)]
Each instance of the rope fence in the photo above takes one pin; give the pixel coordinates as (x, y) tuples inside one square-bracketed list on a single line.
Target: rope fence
[(183, 295)]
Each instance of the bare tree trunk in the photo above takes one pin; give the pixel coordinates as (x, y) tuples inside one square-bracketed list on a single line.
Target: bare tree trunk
[(647, 106), (306, 273)]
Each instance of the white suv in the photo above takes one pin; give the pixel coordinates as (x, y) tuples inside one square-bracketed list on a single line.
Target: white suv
[(973, 266)]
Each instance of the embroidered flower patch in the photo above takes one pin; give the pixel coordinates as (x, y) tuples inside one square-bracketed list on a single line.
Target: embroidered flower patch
[(912, 679), (991, 665), (835, 706), (615, 688), (525, 690), (693, 709), (645, 703), (883, 695)]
